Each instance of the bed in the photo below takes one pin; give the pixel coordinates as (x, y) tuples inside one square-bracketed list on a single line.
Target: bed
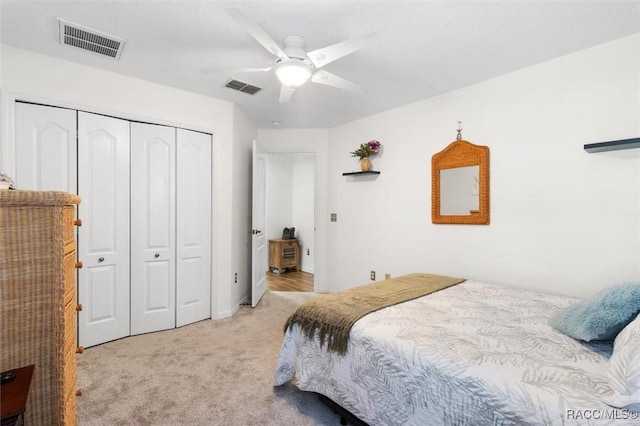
[(470, 354)]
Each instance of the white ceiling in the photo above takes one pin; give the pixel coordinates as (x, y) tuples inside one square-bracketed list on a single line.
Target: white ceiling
[(425, 47)]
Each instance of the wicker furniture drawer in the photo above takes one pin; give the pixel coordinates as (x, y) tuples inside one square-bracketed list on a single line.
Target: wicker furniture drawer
[(69, 390), (69, 263), (70, 322), (68, 230), (70, 410), (69, 378)]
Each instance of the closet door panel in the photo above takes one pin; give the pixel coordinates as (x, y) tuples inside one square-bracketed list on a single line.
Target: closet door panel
[(153, 280), (103, 243), (193, 244), (46, 152)]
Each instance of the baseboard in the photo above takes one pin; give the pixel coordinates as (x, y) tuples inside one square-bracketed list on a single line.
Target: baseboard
[(223, 314)]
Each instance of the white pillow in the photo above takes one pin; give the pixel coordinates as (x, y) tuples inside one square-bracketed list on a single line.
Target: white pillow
[(624, 367)]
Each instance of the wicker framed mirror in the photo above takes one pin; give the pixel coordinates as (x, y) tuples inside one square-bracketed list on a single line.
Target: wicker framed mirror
[(460, 184)]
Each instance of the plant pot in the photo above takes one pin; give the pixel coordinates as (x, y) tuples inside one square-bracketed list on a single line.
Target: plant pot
[(365, 164)]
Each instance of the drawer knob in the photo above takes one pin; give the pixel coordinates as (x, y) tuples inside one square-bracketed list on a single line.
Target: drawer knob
[(79, 349), (101, 259), (77, 222), (79, 392), (79, 265), (157, 255), (78, 307)]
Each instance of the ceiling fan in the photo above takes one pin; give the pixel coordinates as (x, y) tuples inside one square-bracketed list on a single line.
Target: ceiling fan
[(293, 65)]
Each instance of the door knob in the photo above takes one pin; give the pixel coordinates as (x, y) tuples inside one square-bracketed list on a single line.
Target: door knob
[(256, 231)]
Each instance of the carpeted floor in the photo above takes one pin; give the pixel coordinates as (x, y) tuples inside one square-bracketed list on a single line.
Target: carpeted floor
[(208, 373)]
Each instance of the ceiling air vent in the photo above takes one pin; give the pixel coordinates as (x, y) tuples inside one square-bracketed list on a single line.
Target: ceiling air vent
[(242, 87), (89, 39)]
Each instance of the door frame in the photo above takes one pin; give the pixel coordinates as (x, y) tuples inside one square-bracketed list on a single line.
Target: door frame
[(313, 155), (268, 152)]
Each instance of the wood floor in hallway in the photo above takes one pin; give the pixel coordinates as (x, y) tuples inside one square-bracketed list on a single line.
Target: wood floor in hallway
[(290, 281)]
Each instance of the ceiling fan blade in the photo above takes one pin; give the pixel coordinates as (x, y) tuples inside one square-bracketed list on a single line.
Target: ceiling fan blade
[(325, 55), (256, 32), (324, 77), (285, 93), (233, 70)]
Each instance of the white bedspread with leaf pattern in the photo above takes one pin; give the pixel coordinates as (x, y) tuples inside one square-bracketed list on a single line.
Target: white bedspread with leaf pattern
[(472, 354)]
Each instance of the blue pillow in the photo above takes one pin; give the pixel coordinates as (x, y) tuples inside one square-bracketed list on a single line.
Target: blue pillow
[(601, 317)]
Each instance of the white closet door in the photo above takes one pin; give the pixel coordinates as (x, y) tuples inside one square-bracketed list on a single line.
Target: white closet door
[(153, 206), (46, 150), (193, 241), (103, 243)]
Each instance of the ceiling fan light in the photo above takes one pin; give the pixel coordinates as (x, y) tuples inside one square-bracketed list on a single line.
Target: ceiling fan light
[(293, 73)]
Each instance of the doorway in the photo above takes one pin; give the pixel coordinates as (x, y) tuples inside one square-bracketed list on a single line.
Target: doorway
[(290, 203)]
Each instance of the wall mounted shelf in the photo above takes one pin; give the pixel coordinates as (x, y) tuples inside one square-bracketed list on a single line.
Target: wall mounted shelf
[(370, 172), (613, 145)]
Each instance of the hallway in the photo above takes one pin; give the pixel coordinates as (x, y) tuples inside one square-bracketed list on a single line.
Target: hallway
[(290, 281)]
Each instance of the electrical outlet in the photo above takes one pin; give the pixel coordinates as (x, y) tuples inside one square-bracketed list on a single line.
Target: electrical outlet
[(373, 275), (334, 217)]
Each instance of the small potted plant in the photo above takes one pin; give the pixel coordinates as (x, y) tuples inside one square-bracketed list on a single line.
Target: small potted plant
[(364, 151), (5, 182)]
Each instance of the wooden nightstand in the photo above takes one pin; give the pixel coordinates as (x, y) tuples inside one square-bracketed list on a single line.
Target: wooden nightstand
[(283, 255), (13, 395)]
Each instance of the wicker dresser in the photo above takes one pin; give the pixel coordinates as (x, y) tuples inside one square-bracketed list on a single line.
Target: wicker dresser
[(38, 299)]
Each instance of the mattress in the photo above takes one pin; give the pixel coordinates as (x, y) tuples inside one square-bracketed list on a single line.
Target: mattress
[(472, 354)]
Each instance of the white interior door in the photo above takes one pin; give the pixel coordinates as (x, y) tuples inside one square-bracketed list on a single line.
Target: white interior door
[(259, 248), (103, 242), (193, 234), (153, 230), (46, 152)]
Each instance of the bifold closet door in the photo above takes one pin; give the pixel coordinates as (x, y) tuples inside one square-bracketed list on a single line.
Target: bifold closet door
[(103, 242), (193, 292), (146, 209), (46, 152), (153, 229)]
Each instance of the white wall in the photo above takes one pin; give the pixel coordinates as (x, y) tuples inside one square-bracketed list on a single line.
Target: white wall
[(303, 209), (40, 78), (279, 194), (308, 141), (562, 220)]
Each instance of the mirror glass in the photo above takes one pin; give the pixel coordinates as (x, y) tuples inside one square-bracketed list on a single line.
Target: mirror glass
[(460, 184), (459, 190)]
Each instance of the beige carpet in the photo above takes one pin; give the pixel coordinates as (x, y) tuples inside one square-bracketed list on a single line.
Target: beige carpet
[(209, 373)]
